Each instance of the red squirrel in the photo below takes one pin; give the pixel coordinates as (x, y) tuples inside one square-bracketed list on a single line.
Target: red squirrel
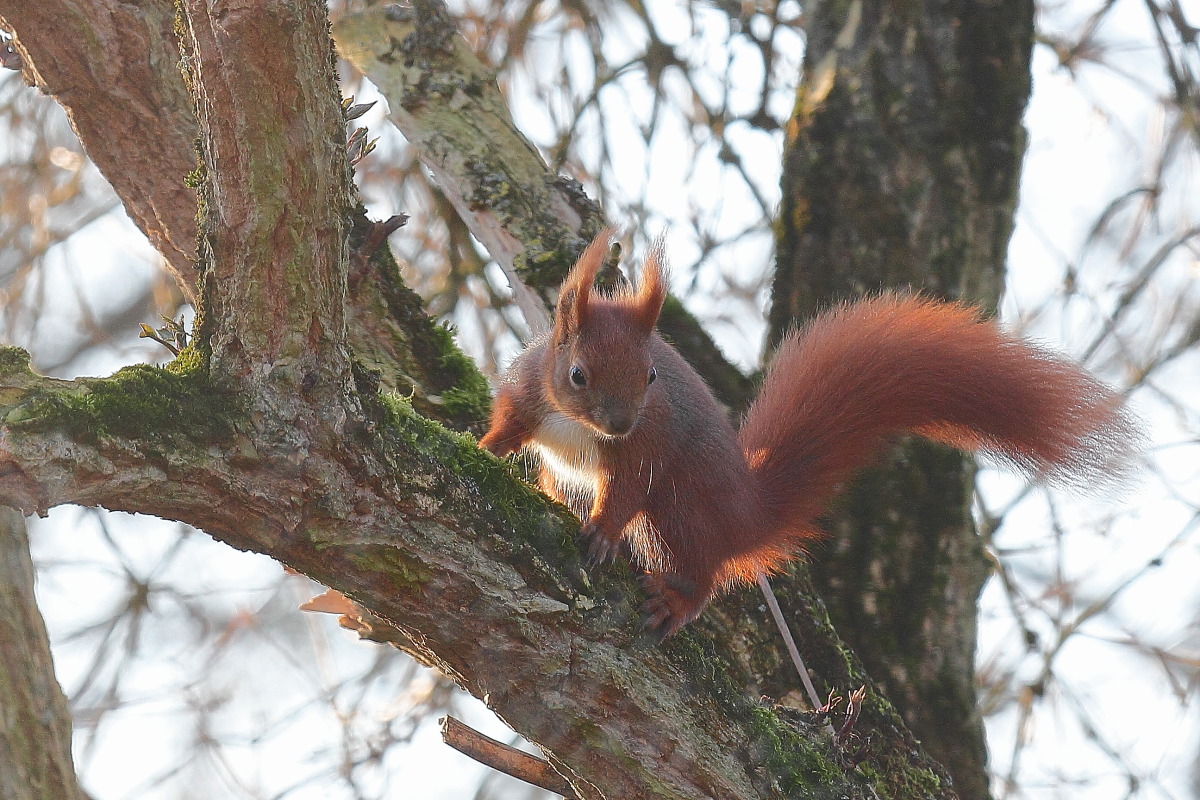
[(633, 441)]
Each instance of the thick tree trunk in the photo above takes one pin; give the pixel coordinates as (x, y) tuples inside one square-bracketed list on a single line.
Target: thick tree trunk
[(901, 170), (35, 724)]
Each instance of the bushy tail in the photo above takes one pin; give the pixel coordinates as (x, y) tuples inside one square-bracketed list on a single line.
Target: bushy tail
[(839, 388)]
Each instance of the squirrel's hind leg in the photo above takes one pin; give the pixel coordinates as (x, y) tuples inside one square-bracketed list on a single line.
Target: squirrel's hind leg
[(672, 601)]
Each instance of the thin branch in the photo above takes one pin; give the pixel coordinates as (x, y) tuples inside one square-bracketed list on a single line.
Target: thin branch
[(504, 758)]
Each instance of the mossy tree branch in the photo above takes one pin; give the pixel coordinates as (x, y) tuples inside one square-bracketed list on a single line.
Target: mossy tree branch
[(425, 530), (446, 102), (532, 221)]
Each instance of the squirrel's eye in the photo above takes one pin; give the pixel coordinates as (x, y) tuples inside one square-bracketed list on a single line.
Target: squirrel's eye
[(577, 377), (650, 378)]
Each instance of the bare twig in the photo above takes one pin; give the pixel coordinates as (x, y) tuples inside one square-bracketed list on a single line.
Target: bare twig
[(788, 641), (503, 758)]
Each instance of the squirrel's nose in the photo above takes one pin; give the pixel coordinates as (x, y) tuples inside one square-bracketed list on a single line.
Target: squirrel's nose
[(621, 427), (617, 423)]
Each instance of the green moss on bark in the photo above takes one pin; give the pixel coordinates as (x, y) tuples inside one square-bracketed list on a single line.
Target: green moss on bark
[(520, 507), (139, 402), (392, 563), (469, 396), (191, 360), (390, 332), (14, 361), (786, 752)]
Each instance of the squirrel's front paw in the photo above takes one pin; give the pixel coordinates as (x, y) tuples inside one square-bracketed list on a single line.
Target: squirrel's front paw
[(500, 448), (601, 548)]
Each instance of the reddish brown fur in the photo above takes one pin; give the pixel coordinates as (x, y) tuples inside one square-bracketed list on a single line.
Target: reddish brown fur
[(704, 508)]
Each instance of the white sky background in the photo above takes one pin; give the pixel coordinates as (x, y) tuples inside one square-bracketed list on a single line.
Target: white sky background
[(1090, 136)]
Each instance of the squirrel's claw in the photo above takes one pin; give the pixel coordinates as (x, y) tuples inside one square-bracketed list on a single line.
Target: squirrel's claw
[(670, 604), (654, 627), (656, 614), (601, 549)]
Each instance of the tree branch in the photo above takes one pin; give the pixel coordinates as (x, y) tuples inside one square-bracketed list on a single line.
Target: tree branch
[(475, 567), (448, 106), (532, 221), (503, 758)]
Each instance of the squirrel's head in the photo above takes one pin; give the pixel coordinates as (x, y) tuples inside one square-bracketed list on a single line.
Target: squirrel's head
[(602, 365)]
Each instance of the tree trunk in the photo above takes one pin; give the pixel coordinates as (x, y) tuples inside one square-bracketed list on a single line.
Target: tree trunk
[(35, 724), (901, 171)]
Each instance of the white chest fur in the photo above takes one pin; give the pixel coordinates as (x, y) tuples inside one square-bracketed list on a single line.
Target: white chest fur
[(568, 449)]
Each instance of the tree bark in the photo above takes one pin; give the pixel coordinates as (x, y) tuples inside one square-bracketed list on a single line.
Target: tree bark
[(35, 724), (901, 170)]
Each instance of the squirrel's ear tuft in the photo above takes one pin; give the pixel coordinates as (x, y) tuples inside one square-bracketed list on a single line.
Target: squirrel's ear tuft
[(652, 286), (566, 322), (576, 291)]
